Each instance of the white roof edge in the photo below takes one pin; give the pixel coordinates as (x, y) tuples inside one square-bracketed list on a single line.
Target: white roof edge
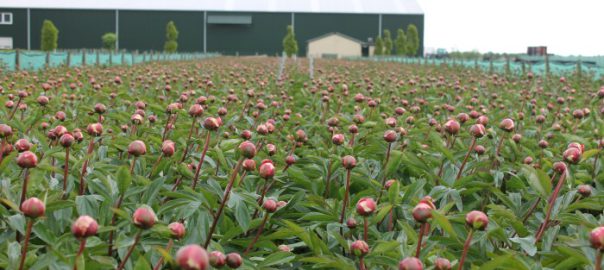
[(297, 6)]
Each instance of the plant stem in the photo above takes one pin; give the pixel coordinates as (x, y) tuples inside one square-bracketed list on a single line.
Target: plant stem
[(80, 251), (24, 188), (113, 220), (65, 172), (550, 207), (466, 247), (365, 228), (30, 223), (225, 198), (137, 238), (345, 202), (85, 166), (260, 228), (384, 169), (267, 186), (203, 156), (184, 155), (465, 159), (419, 240), (132, 166), (155, 165), (161, 260), (598, 259), (328, 180), (163, 138), (362, 264)]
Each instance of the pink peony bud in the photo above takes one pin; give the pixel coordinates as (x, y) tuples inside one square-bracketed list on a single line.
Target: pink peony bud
[(284, 248), (572, 155), (66, 140), (507, 125), (168, 148), (410, 263), (452, 127), (144, 217), (390, 136), (366, 206), (270, 205), (349, 162), (247, 149), (137, 148), (266, 170), (596, 237), (477, 220), (584, 190), (249, 165), (177, 230), (5, 131), (422, 212), (195, 110), (84, 226), (27, 160), (95, 129), (234, 260), (478, 130), (442, 264), (22, 145), (337, 139), (212, 123), (33, 208), (359, 248), (192, 257), (217, 259)]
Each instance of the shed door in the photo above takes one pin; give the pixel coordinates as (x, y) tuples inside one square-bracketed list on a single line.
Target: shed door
[(6, 42)]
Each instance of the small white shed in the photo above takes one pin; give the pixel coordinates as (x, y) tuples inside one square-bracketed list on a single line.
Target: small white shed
[(334, 45)]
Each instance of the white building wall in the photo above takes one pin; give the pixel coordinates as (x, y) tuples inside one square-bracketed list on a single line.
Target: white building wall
[(334, 44)]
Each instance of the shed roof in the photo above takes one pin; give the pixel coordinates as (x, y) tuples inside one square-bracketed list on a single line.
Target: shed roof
[(297, 6), (335, 34)]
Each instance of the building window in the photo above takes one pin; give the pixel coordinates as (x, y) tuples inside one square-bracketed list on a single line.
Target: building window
[(6, 18)]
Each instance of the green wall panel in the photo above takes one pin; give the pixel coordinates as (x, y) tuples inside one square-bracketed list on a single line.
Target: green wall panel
[(17, 30), (394, 22), (146, 30), (77, 28), (263, 36)]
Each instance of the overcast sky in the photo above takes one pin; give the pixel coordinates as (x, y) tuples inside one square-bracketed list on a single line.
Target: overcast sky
[(566, 27)]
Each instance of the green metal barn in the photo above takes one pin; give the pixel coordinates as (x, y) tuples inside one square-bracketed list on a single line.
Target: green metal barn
[(244, 27)]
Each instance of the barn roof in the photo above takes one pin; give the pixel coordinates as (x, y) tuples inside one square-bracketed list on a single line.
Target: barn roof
[(335, 34), (297, 6)]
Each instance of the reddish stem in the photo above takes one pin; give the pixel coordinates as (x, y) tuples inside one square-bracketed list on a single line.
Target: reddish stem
[(132, 165), (223, 203), (465, 159), (113, 221), (260, 229), (365, 228), (137, 238), (163, 138), (161, 260), (184, 155), (25, 183), (80, 251), (328, 180), (65, 172), (155, 165), (419, 240), (85, 166), (30, 223), (550, 207), (598, 259), (345, 202), (203, 156), (466, 247), (362, 264)]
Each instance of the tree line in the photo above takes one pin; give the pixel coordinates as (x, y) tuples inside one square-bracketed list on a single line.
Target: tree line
[(50, 38), (406, 44)]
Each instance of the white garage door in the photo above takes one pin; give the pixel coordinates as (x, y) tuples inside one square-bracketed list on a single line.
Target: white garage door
[(6, 42)]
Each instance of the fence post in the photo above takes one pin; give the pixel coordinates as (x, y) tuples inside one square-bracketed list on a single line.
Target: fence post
[(507, 65), (110, 57), (83, 57), (17, 60), (68, 60), (491, 68), (547, 65), (98, 60), (144, 57), (47, 59), (523, 69), (579, 71), (123, 57)]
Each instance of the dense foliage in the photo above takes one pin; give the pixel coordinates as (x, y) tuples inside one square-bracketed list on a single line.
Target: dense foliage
[(367, 166), (109, 41), (171, 44), (290, 44), (49, 36)]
